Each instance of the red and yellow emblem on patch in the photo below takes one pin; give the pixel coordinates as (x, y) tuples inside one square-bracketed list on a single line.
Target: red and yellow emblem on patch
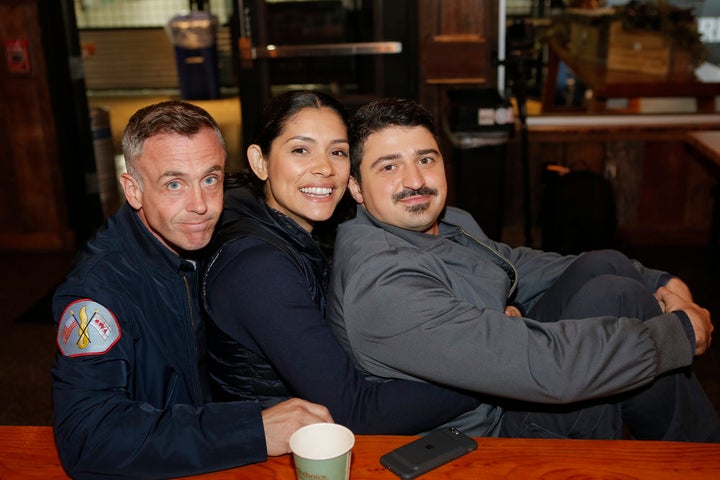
[(87, 328)]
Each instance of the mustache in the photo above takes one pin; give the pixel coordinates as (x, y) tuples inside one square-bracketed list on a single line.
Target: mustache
[(410, 192)]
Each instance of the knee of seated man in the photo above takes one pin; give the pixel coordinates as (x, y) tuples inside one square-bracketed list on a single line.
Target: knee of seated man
[(607, 261), (621, 296)]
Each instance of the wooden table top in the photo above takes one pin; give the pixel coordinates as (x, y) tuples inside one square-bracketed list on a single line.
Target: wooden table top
[(29, 453), (706, 142)]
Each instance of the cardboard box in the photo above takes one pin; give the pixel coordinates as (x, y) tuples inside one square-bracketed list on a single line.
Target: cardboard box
[(598, 36), (637, 51)]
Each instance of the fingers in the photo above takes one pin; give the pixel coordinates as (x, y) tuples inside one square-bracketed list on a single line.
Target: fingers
[(302, 407), (282, 420), (678, 287), (699, 316), (319, 411), (702, 326), (669, 300)]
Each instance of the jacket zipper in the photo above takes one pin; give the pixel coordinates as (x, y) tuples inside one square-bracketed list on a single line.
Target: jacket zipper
[(193, 342), (487, 247)]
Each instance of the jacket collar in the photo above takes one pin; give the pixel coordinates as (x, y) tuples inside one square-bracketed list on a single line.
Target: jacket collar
[(451, 228), (241, 204), (154, 253), (422, 240)]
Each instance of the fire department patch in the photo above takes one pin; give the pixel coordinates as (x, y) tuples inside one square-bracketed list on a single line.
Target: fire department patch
[(87, 328)]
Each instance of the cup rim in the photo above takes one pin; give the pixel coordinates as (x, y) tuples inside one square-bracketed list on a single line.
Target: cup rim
[(348, 447)]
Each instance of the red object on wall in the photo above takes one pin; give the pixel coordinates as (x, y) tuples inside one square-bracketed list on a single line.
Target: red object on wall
[(17, 56)]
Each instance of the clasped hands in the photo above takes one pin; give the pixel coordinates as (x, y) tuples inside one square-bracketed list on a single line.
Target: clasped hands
[(675, 295)]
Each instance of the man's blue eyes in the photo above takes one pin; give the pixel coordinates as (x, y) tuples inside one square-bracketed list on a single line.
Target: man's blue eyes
[(208, 182)]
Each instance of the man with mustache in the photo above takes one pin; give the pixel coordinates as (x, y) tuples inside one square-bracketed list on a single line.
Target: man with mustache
[(557, 346)]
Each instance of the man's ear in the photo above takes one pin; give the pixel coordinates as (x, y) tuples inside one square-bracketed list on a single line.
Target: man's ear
[(355, 191), (257, 162), (132, 190)]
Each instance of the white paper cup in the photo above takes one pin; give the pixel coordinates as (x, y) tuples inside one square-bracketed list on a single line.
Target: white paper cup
[(322, 451)]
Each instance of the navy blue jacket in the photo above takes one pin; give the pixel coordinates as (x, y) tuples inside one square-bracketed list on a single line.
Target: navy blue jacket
[(129, 390), (264, 292)]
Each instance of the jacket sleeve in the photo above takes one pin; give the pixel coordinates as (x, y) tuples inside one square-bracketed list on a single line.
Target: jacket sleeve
[(403, 321), (274, 315), (101, 432)]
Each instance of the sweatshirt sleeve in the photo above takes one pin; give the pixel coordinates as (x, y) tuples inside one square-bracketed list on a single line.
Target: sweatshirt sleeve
[(262, 300), (397, 308)]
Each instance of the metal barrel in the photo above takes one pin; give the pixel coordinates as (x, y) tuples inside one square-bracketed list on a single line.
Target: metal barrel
[(104, 160)]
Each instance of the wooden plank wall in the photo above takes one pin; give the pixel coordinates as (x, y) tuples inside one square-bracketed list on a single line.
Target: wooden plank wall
[(457, 42), (32, 201)]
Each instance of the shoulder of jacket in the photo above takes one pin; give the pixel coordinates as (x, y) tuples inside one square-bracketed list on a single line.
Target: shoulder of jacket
[(459, 217), (251, 249), (374, 246)]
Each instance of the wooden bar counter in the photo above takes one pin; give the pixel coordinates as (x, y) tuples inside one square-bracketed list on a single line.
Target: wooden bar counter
[(28, 453)]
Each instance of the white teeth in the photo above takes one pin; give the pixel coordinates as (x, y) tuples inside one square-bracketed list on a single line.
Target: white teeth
[(316, 190)]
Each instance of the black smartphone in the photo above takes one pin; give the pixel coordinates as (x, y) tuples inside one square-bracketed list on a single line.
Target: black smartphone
[(424, 454)]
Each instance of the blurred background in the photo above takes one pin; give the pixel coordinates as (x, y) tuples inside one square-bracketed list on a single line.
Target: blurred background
[(525, 92)]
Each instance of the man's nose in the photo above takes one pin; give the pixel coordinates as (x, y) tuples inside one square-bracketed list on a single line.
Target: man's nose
[(197, 202), (414, 177)]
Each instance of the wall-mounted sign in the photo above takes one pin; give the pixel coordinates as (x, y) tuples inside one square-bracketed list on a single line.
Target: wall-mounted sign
[(17, 56)]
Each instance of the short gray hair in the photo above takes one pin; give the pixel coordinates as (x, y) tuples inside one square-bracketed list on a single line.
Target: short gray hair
[(168, 117)]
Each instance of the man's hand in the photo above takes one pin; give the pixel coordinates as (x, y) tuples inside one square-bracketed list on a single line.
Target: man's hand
[(281, 420), (699, 317), (679, 287)]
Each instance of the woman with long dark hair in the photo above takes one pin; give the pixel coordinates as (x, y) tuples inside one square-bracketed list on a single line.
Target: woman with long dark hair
[(266, 277)]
